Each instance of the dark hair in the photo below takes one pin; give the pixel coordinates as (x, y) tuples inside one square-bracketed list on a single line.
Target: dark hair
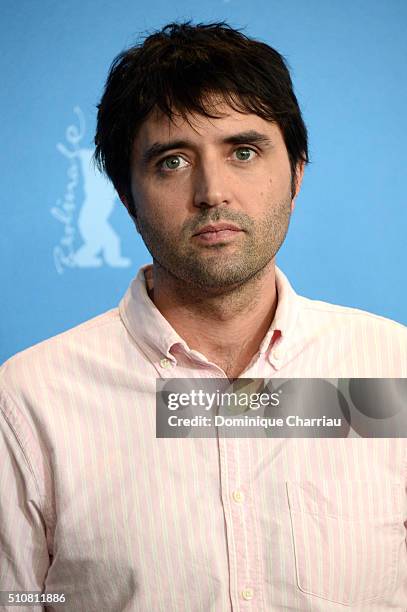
[(174, 70)]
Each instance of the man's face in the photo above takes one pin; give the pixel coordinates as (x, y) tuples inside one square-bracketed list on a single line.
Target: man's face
[(189, 183)]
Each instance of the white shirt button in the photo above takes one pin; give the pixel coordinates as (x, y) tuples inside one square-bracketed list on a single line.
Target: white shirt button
[(165, 363), (238, 496), (247, 594), (277, 354)]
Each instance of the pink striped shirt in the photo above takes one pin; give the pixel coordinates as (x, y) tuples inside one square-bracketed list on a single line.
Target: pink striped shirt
[(94, 506)]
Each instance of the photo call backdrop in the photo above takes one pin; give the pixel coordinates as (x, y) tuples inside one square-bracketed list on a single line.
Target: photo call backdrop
[(69, 249)]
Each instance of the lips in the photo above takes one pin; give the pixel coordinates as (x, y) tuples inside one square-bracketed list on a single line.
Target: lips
[(217, 234), (218, 227)]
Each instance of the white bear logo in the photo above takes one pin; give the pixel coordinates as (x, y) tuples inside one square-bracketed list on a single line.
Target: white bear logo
[(89, 240)]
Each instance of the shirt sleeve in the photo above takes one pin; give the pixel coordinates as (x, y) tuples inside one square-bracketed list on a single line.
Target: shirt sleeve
[(24, 557)]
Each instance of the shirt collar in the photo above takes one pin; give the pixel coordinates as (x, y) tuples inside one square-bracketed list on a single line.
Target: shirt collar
[(282, 329), (155, 336), (144, 321)]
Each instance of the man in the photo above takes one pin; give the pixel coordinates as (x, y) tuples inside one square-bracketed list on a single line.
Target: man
[(201, 134)]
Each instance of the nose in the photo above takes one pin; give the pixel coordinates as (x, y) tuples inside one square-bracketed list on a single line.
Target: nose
[(212, 184)]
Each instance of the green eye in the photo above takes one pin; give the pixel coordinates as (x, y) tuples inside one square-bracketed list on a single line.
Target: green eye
[(243, 154), (172, 163)]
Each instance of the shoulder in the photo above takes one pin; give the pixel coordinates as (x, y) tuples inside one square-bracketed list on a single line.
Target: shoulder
[(318, 312), (62, 352), (354, 330), (317, 318), (339, 341)]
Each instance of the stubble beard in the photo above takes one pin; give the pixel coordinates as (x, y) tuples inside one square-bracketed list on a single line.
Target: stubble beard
[(221, 267)]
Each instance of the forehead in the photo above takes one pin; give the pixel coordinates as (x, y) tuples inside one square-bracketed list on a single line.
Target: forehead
[(158, 127)]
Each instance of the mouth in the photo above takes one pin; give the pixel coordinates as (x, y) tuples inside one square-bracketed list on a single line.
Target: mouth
[(219, 232)]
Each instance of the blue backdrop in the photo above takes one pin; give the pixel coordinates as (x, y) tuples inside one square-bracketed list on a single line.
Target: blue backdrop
[(68, 249)]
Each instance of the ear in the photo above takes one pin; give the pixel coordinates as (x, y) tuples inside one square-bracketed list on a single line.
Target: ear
[(299, 174)]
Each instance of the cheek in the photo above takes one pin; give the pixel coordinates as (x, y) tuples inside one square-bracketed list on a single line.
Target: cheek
[(164, 213), (279, 185)]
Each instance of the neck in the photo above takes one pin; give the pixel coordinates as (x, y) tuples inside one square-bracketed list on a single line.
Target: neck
[(226, 326)]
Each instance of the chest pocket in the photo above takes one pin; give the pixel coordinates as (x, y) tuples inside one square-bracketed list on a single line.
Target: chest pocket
[(347, 538)]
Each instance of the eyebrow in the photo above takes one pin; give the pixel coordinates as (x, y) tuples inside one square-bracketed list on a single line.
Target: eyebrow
[(248, 137)]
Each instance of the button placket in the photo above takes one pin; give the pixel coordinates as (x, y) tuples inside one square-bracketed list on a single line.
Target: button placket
[(244, 562)]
